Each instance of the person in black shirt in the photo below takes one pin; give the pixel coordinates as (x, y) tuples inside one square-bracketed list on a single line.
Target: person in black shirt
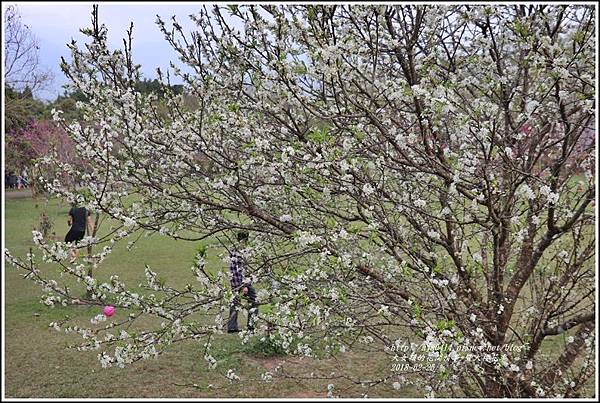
[(12, 180), (79, 218)]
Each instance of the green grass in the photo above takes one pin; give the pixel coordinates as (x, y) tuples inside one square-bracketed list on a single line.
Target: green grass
[(38, 363)]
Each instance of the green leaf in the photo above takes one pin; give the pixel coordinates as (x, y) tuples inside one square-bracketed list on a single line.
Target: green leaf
[(300, 68), (320, 136), (579, 37), (233, 107), (417, 310), (358, 134), (330, 222), (445, 324), (201, 249)]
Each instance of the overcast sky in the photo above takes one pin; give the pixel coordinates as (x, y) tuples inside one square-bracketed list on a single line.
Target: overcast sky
[(56, 23)]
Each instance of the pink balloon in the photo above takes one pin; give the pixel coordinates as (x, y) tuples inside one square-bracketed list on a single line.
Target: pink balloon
[(109, 310)]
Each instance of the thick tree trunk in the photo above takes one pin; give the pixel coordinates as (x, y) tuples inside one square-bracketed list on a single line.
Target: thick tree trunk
[(493, 388)]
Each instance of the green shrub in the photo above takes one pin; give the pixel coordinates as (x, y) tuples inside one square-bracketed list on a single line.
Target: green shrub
[(264, 348)]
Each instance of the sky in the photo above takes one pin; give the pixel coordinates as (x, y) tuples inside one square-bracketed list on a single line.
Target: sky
[(56, 23)]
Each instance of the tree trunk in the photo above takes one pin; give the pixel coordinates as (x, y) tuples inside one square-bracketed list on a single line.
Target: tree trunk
[(493, 388), (89, 253)]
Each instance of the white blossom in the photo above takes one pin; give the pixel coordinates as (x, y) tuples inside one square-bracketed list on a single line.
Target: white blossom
[(232, 375), (419, 203), (527, 191), (368, 189)]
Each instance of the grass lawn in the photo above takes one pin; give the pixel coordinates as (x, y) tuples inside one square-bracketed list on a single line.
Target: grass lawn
[(38, 363)]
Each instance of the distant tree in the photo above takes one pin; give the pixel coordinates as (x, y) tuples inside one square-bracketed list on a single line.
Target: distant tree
[(154, 86), (76, 95), (22, 68), (44, 137), (23, 76), (39, 138), (67, 103), (21, 108), (17, 152)]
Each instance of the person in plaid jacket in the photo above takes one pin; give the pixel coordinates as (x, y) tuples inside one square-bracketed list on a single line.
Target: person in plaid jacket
[(240, 283)]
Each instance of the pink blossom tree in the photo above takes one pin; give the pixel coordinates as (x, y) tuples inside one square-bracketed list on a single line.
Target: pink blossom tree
[(45, 137)]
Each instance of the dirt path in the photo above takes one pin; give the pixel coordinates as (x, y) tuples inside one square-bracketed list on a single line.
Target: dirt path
[(17, 194)]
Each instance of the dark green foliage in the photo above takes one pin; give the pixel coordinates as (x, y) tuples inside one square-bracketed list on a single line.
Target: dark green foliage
[(21, 108), (265, 348), (154, 86)]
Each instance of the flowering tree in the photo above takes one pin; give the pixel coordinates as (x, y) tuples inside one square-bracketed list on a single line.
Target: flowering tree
[(22, 67), (406, 173), (44, 136), (40, 138), (47, 138)]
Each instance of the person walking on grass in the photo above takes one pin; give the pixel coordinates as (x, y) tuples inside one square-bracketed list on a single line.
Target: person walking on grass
[(240, 283), (79, 218)]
